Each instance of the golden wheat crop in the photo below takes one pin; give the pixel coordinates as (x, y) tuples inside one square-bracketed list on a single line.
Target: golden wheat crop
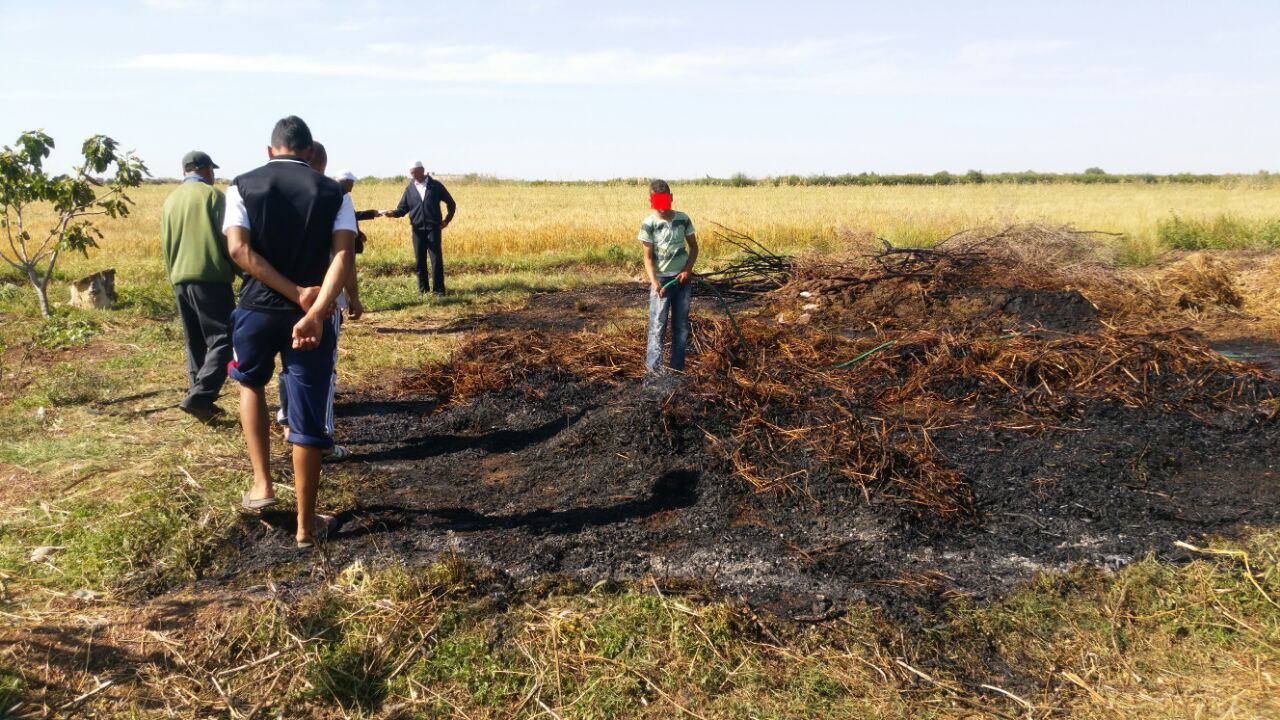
[(512, 222)]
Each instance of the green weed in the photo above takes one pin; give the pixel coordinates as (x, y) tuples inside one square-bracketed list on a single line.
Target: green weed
[(66, 331), (1221, 232)]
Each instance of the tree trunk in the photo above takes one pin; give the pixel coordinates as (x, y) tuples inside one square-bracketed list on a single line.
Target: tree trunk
[(41, 286)]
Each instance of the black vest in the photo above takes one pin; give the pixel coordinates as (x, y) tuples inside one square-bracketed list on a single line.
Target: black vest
[(291, 213)]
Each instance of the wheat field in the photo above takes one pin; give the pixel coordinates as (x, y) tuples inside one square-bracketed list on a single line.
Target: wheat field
[(528, 225)]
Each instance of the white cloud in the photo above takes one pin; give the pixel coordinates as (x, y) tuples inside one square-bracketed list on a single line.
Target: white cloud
[(849, 65), (225, 7), (258, 64), (497, 65), (989, 53), (639, 21), (176, 5)]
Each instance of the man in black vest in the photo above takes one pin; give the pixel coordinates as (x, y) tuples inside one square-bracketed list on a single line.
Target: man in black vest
[(421, 202), (291, 229)]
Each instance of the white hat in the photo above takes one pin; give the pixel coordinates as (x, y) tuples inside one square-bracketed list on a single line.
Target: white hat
[(346, 175), (416, 165)]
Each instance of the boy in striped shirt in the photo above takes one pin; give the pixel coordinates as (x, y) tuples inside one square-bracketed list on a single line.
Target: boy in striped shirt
[(670, 250)]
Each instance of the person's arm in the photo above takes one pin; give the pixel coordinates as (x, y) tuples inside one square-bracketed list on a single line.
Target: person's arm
[(367, 214), (258, 267), (645, 237), (166, 245), (403, 208), (651, 269), (219, 211), (310, 329), (449, 205), (355, 309), (691, 241)]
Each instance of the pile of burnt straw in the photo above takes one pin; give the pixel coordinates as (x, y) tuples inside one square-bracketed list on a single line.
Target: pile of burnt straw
[(889, 356)]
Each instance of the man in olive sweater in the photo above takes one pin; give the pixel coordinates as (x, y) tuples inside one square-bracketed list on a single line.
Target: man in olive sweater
[(200, 268)]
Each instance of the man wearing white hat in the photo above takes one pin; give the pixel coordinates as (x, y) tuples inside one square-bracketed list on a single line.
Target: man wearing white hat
[(347, 180), (421, 202)]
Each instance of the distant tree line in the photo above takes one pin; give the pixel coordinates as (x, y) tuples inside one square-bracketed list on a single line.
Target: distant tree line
[(973, 177), (1091, 176)]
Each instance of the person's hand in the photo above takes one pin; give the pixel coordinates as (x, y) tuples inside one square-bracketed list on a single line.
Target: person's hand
[(684, 276), (307, 297), (308, 331), (657, 287), (354, 308)]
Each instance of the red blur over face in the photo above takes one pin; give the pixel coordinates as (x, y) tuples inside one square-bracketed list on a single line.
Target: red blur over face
[(660, 201)]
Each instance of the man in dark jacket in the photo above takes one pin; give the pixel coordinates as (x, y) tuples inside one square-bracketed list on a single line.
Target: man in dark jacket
[(421, 202)]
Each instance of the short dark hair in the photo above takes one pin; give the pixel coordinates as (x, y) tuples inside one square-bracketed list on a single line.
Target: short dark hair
[(319, 155), (659, 186), (291, 133)]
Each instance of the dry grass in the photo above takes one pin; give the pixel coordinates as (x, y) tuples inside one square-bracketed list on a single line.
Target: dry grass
[(783, 403), (1152, 641)]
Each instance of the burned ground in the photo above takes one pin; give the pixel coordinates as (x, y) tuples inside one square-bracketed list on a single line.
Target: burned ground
[(948, 463)]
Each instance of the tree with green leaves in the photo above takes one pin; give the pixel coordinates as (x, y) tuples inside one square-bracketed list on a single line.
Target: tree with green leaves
[(95, 188)]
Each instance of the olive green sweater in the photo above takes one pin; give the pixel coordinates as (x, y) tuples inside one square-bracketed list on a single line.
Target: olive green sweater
[(195, 250)]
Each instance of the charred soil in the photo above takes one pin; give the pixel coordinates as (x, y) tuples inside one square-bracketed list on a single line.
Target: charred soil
[(902, 456)]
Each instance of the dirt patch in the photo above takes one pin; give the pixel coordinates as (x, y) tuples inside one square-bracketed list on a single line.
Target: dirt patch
[(19, 486), (570, 310)]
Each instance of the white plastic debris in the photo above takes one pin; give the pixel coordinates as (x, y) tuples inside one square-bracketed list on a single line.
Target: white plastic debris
[(39, 554)]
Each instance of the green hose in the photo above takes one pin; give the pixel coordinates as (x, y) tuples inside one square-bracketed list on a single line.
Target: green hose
[(864, 355), (882, 346), (733, 323)]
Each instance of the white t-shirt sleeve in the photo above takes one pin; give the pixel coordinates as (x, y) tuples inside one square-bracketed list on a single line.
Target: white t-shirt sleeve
[(346, 219), (237, 214)]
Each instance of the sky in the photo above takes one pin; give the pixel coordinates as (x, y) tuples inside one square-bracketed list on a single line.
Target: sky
[(562, 89)]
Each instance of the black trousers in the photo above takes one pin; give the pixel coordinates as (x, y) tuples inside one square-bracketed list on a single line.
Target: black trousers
[(205, 311), (427, 242)]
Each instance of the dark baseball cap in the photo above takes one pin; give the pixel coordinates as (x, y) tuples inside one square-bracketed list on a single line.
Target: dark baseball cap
[(197, 159)]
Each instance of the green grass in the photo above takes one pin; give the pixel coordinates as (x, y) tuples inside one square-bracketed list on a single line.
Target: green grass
[(1222, 232)]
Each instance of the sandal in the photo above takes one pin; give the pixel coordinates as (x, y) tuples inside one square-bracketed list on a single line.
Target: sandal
[(249, 503), (327, 524)]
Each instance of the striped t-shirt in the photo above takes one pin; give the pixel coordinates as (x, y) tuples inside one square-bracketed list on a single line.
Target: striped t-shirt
[(667, 239)]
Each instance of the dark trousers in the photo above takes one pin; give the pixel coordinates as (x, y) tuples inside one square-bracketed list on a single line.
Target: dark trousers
[(205, 311), (427, 242)]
